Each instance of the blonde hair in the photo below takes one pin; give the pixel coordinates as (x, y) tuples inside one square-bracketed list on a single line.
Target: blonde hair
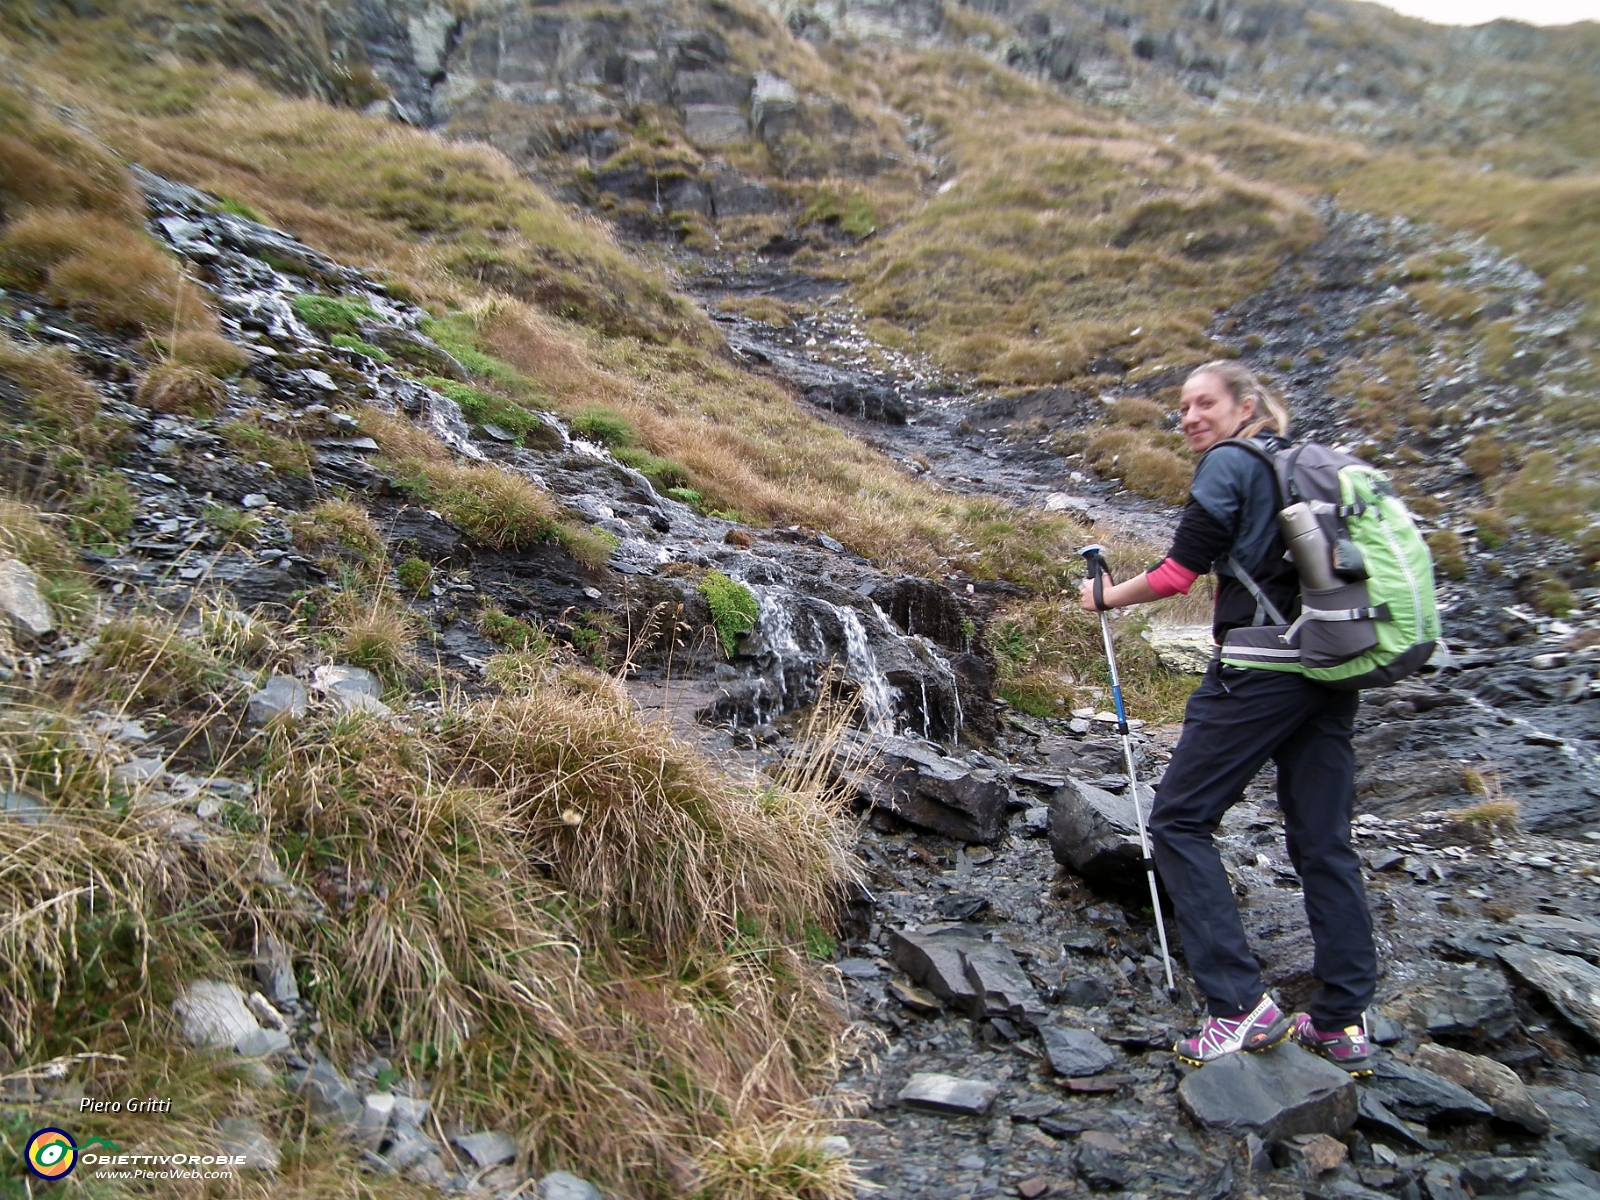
[(1243, 385)]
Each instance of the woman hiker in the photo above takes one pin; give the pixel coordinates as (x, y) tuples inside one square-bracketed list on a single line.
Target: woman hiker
[(1237, 719)]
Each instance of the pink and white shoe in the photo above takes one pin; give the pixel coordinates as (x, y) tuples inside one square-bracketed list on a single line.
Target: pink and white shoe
[(1347, 1047), (1262, 1028)]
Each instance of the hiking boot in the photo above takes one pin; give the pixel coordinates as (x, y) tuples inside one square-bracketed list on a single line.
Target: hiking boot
[(1262, 1028), (1347, 1048)]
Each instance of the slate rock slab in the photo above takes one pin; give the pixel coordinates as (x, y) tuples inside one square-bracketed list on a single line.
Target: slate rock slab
[(1460, 1002), (1494, 1083), (935, 959), (1275, 1094), (282, 696), (935, 792), (333, 1100), (1075, 1052), (1571, 984), (1373, 1117), (947, 1094), (488, 1149), (563, 1185), (1000, 987), (1420, 1095), (1093, 832)]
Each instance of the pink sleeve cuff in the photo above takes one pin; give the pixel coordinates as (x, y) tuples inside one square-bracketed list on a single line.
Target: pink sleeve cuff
[(1169, 579)]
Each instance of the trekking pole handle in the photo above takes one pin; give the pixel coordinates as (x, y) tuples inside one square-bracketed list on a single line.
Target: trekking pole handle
[(1099, 572)]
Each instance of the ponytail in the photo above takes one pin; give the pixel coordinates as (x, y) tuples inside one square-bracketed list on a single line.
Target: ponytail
[(1243, 385)]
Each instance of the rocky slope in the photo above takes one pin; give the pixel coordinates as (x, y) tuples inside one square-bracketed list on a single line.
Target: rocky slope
[(973, 948)]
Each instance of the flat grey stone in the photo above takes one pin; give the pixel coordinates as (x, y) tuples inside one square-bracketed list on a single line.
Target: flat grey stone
[(22, 808), (498, 434), (263, 1042), (139, 770), (20, 600), (935, 792), (1571, 984), (256, 500), (352, 689), (947, 1094), (409, 1110), (242, 1136), (410, 1145), (1275, 1094), (1419, 1095), (858, 968), (489, 1148), (281, 696), (563, 1185), (1460, 1002), (214, 1016), (1093, 832), (1075, 1052)]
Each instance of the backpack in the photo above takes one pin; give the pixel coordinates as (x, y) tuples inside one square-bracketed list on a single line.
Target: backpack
[(1379, 622)]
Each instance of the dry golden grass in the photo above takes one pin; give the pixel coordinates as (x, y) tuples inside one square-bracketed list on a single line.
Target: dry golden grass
[(58, 394), (103, 269), (1147, 461), (172, 387), (497, 508), (1072, 239), (205, 350)]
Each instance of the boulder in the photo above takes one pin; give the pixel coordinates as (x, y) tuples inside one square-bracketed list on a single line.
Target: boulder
[(214, 1015), (1570, 983), (1574, 1120), (774, 108), (1093, 832), (282, 696), (1493, 1082), (20, 600), (1275, 1094), (1420, 1095), (1186, 648), (947, 1094), (372, 1127), (1075, 1052), (927, 789)]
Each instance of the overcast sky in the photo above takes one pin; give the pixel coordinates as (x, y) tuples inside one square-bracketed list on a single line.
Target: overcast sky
[(1476, 12)]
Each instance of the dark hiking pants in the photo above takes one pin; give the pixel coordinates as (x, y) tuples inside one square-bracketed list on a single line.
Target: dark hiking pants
[(1235, 721)]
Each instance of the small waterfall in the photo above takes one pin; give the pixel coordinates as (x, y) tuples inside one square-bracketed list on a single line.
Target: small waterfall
[(449, 426), (861, 664)]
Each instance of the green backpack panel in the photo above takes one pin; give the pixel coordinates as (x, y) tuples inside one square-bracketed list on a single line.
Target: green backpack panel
[(1380, 622)]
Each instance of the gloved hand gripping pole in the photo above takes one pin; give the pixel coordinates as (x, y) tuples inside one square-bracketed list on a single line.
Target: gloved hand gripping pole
[(1099, 572)]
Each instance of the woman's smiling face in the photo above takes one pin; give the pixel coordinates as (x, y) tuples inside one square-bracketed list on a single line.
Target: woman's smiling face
[(1208, 413)]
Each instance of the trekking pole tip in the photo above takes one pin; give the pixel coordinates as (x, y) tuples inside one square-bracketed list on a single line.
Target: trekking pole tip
[(1092, 550)]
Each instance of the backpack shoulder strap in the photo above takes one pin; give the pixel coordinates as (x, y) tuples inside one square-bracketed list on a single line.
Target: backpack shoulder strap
[(1282, 471), (1265, 608)]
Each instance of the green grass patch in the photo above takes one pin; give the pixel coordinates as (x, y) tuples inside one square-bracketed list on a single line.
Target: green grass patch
[(605, 427), (733, 608), (253, 442), (346, 342), (331, 314)]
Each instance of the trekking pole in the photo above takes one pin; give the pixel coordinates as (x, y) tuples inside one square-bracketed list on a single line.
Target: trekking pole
[(1094, 556)]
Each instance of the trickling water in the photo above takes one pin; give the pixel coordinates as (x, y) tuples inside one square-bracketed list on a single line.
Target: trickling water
[(449, 426), (877, 696)]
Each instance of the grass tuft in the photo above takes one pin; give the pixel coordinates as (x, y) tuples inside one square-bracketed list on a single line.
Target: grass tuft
[(733, 608), (496, 508), (174, 388)]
